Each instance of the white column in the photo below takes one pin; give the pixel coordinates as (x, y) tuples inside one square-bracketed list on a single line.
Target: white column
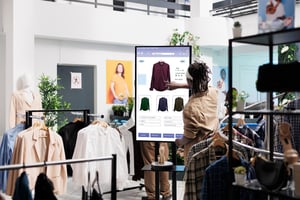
[(201, 8), (18, 26)]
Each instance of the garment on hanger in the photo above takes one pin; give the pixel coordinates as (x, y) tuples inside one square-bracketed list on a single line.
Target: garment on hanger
[(6, 151), (216, 180), (69, 134), (43, 189), (250, 133), (22, 190), (33, 145), (96, 141), (202, 155)]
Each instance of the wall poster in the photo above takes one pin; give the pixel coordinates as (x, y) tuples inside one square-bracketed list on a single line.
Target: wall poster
[(119, 81), (275, 15)]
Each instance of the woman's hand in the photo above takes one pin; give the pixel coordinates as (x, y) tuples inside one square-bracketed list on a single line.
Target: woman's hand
[(174, 85)]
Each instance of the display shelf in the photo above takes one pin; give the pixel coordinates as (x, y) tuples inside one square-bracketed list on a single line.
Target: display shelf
[(285, 193), (268, 112), (269, 40), (273, 38)]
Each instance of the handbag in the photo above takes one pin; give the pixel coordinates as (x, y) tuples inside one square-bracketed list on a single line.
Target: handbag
[(279, 78), (96, 192), (272, 175)]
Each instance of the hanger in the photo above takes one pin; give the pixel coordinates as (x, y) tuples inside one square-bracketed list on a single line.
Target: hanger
[(285, 135), (240, 122), (99, 122), (77, 119), (219, 144)]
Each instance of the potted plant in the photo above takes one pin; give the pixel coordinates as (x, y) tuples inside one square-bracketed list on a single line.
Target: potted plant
[(186, 38), (119, 110), (237, 29), (241, 100), (51, 100), (130, 104), (240, 175)]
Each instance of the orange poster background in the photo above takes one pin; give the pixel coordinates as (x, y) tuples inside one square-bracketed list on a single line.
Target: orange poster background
[(110, 70)]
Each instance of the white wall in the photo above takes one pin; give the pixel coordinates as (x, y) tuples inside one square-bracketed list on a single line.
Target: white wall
[(74, 22), (72, 34), (50, 52), (2, 79), (92, 37)]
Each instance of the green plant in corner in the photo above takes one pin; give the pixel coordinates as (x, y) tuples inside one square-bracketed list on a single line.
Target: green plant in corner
[(51, 100)]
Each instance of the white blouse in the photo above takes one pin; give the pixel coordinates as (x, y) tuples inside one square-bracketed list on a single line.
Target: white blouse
[(95, 140)]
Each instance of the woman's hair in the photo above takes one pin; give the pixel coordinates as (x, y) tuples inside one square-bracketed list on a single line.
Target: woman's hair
[(200, 76), (123, 69)]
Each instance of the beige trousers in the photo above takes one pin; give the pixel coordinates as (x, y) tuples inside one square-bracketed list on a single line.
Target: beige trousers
[(148, 155)]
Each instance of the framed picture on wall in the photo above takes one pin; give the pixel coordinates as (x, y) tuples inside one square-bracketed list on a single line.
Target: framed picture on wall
[(275, 15)]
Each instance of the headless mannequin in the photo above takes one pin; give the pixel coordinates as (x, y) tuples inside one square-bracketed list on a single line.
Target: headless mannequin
[(23, 99), (26, 86)]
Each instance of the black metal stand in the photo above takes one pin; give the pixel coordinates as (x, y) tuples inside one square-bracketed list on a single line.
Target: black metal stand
[(174, 169)]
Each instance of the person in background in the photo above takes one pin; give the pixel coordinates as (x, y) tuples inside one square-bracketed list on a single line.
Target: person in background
[(118, 85), (200, 114), (148, 156)]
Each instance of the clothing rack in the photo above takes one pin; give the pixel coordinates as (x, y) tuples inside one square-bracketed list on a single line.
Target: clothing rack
[(257, 150), (28, 115), (90, 114), (113, 158)]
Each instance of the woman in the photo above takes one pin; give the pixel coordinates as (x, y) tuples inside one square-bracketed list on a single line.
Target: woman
[(200, 114), (118, 85)]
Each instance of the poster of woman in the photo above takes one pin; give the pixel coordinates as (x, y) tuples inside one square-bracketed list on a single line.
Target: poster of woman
[(275, 15), (118, 81)]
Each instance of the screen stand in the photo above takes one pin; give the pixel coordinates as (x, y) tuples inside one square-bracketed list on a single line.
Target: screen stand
[(174, 160)]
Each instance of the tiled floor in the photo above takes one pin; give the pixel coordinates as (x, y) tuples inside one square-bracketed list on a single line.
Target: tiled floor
[(137, 194), (132, 194)]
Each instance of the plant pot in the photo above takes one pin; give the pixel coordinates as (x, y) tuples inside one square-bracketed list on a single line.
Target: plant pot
[(119, 113), (237, 32), (240, 105), (239, 178)]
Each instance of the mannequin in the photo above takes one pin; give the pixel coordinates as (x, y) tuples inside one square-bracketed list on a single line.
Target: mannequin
[(23, 99)]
